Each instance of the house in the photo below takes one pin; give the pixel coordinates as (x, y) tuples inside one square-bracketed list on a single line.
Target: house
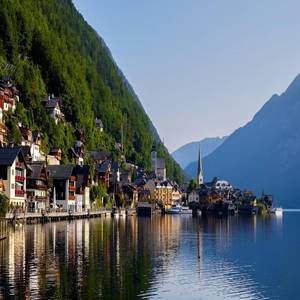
[(99, 124), (193, 197), (37, 187), (3, 135), (102, 173), (13, 168), (54, 107), (82, 188), (54, 156), (163, 193), (32, 139), (130, 195), (99, 156), (9, 95), (64, 186)]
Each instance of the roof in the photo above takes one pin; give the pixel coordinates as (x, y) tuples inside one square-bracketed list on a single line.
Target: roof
[(99, 122), (115, 166), (99, 155), (60, 171), (82, 175), (51, 103), (36, 169), (26, 151), (104, 167), (9, 154)]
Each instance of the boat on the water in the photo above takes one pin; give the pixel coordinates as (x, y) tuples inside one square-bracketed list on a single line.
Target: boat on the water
[(278, 211), (174, 210)]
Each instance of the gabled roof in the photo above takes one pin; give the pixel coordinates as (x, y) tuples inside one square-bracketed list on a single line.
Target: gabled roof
[(104, 167), (36, 169), (60, 171), (99, 155), (9, 154), (51, 103), (82, 175)]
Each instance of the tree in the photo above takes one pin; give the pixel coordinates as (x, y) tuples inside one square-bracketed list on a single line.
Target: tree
[(192, 186), (97, 194), (4, 205)]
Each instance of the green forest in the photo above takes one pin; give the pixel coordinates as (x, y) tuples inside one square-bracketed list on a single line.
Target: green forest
[(54, 51)]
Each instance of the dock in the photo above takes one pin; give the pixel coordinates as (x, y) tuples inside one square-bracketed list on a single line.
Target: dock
[(61, 216)]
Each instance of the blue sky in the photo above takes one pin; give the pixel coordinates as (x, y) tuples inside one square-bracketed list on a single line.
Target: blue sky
[(200, 68)]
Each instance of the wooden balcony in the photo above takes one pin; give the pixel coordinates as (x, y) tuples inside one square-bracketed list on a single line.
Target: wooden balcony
[(19, 193), (19, 165), (72, 188), (20, 178)]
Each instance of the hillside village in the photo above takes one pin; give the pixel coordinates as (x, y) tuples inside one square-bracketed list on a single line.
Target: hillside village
[(35, 181)]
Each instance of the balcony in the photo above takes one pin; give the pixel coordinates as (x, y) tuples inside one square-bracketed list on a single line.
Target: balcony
[(20, 178), (19, 193), (19, 165), (72, 188), (71, 197)]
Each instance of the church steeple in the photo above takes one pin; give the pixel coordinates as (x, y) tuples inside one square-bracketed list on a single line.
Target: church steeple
[(200, 171)]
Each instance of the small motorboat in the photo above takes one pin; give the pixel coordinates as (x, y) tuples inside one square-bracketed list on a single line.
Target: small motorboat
[(186, 211), (174, 210), (278, 211)]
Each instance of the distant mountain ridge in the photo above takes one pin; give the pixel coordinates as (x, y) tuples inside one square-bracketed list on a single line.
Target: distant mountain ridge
[(264, 155), (188, 153)]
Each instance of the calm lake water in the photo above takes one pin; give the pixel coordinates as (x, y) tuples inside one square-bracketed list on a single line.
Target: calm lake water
[(170, 257)]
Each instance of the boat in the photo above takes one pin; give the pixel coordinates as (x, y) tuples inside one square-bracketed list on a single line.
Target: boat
[(278, 211), (186, 211), (174, 210)]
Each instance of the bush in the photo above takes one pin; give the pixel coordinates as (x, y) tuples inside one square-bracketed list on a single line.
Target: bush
[(4, 205)]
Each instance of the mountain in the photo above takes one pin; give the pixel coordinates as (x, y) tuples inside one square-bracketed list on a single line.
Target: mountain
[(188, 153), (54, 51), (264, 155)]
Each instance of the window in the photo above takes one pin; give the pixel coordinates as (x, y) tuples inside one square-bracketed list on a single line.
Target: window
[(12, 171), (12, 186)]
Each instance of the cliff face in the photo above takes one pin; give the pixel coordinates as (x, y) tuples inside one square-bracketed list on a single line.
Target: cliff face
[(264, 154), (55, 51)]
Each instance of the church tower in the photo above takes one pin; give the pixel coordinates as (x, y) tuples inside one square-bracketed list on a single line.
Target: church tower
[(200, 171)]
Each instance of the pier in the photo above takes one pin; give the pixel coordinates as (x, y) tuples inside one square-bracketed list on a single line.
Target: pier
[(60, 216)]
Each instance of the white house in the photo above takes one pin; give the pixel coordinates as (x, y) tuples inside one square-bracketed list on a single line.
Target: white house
[(193, 197), (13, 175)]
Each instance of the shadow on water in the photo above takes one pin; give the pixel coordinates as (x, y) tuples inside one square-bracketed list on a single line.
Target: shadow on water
[(170, 257)]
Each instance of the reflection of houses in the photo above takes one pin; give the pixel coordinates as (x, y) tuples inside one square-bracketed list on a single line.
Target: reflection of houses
[(54, 108), (13, 173), (37, 187), (64, 186)]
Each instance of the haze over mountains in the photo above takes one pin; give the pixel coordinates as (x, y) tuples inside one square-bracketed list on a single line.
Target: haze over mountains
[(188, 153), (264, 155)]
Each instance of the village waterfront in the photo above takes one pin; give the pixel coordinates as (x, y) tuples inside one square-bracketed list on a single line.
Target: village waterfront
[(165, 257)]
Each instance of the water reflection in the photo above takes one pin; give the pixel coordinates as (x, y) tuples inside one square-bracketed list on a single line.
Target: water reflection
[(128, 258)]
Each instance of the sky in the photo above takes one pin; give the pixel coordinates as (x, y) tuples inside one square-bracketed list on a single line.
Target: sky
[(200, 68)]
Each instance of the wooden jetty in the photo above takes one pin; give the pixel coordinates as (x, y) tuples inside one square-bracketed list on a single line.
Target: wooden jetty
[(60, 216)]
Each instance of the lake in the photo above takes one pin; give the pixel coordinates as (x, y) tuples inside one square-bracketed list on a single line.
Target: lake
[(159, 257)]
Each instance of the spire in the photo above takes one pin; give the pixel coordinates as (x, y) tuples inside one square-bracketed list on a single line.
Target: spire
[(200, 171)]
